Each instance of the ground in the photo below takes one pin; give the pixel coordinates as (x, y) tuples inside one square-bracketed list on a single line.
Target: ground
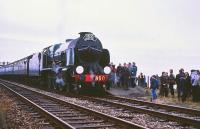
[(130, 92), (145, 94), (13, 116)]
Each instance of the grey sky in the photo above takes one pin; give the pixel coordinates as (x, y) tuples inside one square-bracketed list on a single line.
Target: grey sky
[(157, 35)]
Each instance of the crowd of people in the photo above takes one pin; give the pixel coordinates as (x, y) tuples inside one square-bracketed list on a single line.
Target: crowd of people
[(125, 76), (187, 85)]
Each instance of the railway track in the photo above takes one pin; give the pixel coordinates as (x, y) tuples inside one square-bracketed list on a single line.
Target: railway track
[(184, 116), (127, 109), (156, 105), (65, 114), (41, 121)]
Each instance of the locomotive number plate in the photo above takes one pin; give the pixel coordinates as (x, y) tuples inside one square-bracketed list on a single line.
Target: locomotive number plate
[(100, 78)]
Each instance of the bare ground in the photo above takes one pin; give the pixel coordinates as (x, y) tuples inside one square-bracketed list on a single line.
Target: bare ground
[(13, 116), (145, 94)]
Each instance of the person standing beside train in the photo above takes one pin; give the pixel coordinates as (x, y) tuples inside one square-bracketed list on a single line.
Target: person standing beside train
[(130, 68), (53, 80), (125, 76), (180, 81), (59, 79), (164, 84), (195, 79), (119, 75), (112, 75), (188, 85), (133, 74), (153, 86), (172, 81)]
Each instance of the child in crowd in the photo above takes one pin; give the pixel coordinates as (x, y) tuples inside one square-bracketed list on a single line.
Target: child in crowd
[(154, 86)]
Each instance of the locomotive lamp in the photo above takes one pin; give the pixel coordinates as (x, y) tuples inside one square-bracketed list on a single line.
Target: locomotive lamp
[(107, 70), (79, 69)]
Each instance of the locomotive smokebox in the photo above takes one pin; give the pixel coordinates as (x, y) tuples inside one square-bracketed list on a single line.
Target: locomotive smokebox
[(89, 47)]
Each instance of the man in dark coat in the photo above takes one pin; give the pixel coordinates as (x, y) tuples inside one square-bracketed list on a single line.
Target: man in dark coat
[(133, 74), (164, 84), (188, 86), (180, 81), (172, 81), (125, 76), (119, 75)]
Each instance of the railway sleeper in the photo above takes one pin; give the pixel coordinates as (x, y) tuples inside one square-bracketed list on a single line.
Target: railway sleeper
[(85, 122), (80, 126)]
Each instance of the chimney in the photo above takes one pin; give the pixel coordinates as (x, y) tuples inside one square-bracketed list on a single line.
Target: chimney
[(82, 34)]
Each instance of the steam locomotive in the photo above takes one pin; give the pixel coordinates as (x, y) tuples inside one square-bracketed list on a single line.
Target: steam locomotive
[(77, 65)]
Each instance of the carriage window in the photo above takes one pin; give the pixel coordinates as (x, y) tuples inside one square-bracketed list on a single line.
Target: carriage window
[(70, 57)]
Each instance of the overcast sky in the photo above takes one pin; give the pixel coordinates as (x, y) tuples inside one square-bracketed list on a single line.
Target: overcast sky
[(156, 34)]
